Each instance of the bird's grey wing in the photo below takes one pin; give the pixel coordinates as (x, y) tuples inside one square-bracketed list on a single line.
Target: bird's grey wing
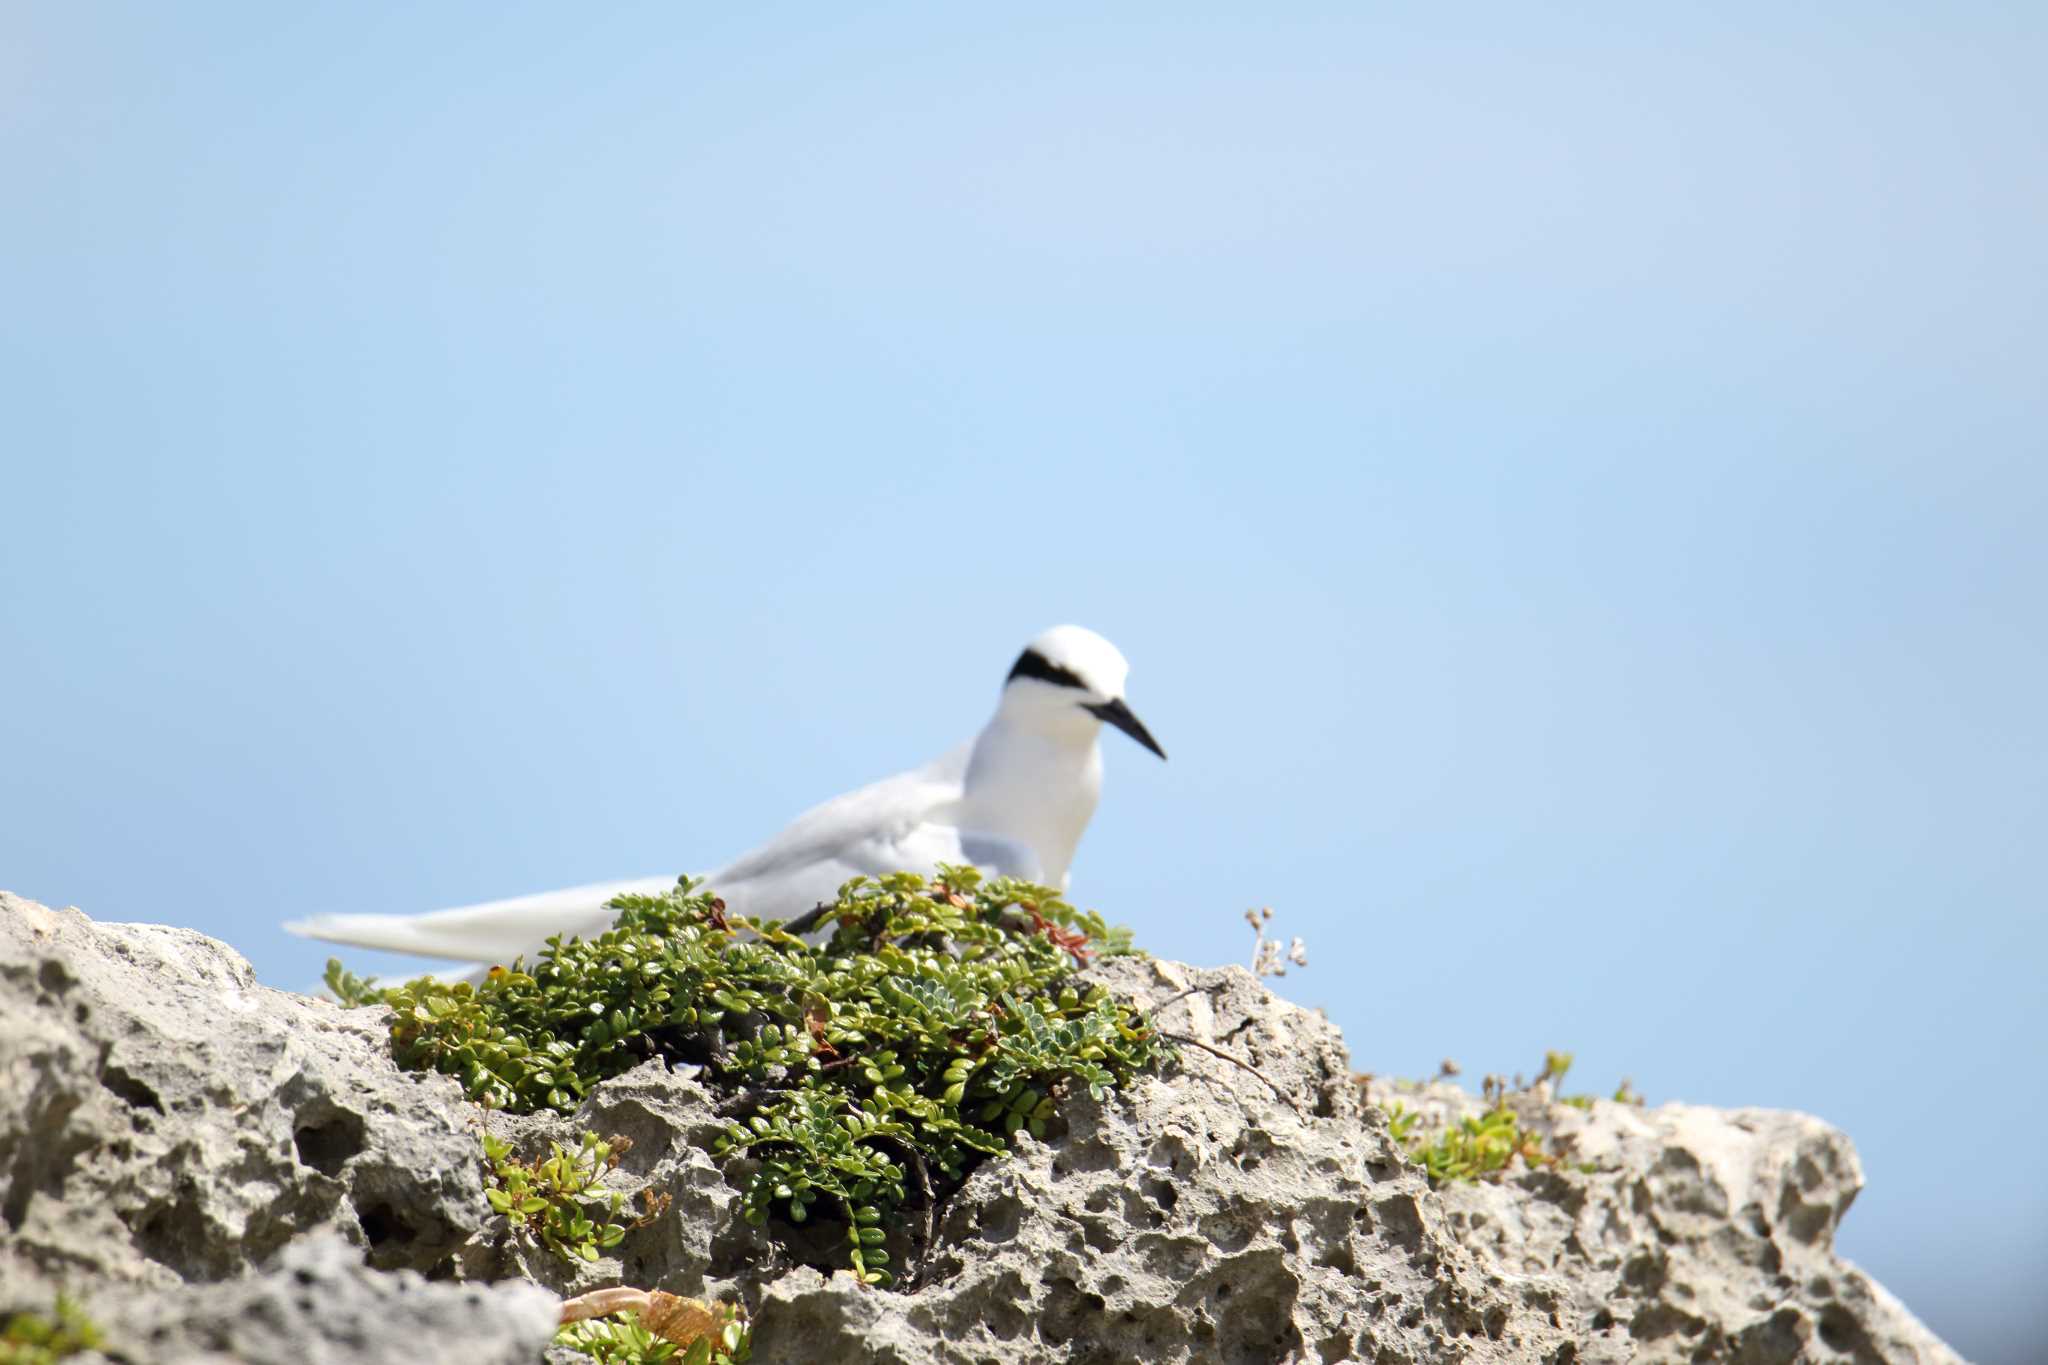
[(493, 931), (784, 891), (902, 824), (826, 830)]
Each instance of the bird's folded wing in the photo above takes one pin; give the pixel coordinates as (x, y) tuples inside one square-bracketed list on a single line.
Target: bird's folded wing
[(783, 890), (906, 823), (827, 831), (495, 931)]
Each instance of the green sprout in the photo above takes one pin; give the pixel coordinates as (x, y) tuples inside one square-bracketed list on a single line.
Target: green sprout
[(1555, 1064), (550, 1198), (349, 989)]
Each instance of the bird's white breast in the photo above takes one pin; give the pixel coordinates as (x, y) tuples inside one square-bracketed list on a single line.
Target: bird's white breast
[(1036, 788)]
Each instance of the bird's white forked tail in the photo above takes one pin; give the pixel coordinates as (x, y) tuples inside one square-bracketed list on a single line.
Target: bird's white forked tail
[(496, 931)]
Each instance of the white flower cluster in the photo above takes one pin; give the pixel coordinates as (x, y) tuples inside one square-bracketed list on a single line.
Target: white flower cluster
[(1269, 955)]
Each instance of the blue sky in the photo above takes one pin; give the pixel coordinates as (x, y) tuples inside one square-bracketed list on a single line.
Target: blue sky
[(1569, 484)]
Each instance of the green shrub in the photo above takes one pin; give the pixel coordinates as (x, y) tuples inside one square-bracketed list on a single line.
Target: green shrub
[(1488, 1145), (1471, 1148), (45, 1338), (940, 1018)]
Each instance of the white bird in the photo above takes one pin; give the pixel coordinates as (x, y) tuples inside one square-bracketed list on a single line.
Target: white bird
[(1013, 801)]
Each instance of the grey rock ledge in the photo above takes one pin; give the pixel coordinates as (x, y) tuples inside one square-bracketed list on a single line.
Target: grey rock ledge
[(225, 1172)]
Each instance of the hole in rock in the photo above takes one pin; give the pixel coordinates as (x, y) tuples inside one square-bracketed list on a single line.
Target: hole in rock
[(328, 1142), (381, 1224), (133, 1091), (1842, 1333), (1339, 1259), (20, 1185), (1068, 1311), (1399, 1217), (1254, 1321), (177, 1235), (1000, 1219), (1161, 1193), (44, 1165)]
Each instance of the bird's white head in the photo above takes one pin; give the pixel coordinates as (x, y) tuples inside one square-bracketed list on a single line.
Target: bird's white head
[(1070, 677)]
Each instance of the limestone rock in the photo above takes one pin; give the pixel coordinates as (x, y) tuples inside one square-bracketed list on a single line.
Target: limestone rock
[(1213, 1215), (1701, 1234), (164, 1118), (168, 1126), (318, 1304)]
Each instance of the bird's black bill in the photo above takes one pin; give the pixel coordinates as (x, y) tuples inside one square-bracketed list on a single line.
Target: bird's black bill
[(1119, 715)]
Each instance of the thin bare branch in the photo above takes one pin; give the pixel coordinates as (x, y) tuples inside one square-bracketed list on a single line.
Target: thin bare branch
[(1176, 999), (914, 1264), (1247, 1067), (808, 920)]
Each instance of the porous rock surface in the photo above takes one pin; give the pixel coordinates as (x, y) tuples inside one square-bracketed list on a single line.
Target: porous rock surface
[(317, 1303), (1700, 1234), (225, 1172)]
